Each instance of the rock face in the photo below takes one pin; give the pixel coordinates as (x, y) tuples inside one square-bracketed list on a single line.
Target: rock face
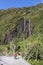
[(9, 36), (20, 27), (23, 26)]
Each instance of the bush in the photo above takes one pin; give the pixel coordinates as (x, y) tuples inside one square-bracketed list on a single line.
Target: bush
[(36, 62)]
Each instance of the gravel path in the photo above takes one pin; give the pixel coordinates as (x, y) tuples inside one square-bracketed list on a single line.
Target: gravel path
[(7, 60)]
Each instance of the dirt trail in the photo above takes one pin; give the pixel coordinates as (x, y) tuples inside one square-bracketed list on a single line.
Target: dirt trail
[(8, 60)]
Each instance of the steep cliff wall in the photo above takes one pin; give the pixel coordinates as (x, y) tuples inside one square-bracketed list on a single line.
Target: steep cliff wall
[(19, 29)]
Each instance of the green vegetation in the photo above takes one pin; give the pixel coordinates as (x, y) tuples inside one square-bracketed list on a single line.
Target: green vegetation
[(32, 47), (36, 62)]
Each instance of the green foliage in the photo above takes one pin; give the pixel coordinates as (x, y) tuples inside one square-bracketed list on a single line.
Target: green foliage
[(32, 47), (3, 47), (36, 62)]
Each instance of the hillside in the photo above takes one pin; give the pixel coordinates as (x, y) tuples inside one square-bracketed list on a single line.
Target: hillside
[(13, 32), (9, 19)]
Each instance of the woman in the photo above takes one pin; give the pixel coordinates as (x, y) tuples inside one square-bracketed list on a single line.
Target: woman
[(15, 55)]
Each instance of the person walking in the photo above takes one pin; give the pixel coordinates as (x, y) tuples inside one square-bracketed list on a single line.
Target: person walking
[(15, 55)]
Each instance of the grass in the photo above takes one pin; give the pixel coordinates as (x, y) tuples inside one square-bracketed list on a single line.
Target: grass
[(35, 62)]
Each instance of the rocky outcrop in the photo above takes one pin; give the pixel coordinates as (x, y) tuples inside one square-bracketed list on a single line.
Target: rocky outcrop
[(23, 27), (20, 27)]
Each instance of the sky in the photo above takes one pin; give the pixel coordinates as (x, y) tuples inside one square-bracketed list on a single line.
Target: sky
[(4, 4)]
